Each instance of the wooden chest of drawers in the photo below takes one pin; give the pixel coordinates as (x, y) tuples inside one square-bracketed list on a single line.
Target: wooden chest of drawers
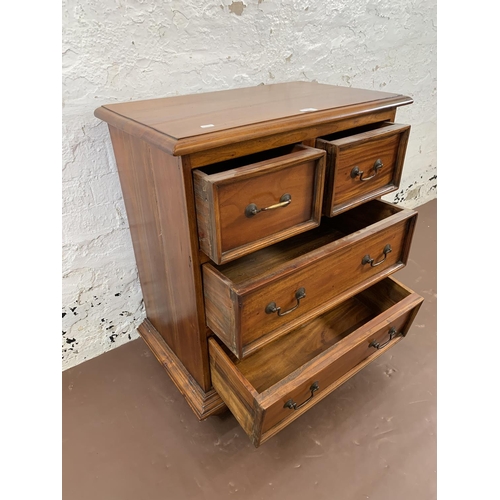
[(263, 248)]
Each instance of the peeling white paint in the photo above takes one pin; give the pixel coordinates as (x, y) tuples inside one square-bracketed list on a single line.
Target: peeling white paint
[(120, 50)]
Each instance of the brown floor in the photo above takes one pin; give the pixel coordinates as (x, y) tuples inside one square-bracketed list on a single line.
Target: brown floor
[(129, 434)]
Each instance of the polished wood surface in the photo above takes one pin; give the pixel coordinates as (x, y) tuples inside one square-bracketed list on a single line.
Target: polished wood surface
[(223, 192), (384, 142), (324, 261), (327, 350), (220, 149), (189, 166), (237, 115), (162, 244), (186, 116), (304, 344)]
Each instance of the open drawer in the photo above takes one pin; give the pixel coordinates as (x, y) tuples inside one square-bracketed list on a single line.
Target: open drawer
[(251, 301), (362, 164), (253, 201), (269, 389)]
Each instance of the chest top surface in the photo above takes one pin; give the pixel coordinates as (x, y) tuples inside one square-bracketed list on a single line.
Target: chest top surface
[(194, 115), (190, 123)]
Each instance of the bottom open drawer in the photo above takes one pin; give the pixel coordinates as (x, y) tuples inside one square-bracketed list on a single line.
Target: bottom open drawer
[(269, 389)]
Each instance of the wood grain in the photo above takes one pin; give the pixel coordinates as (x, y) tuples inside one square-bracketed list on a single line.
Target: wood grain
[(186, 116), (237, 115), (303, 344), (161, 238), (222, 299), (386, 294), (323, 394), (323, 279), (184, 186), (224, 190), (233, 388), (348, 353), (386, 142), (326, 350), (330, 271), (281, 133)]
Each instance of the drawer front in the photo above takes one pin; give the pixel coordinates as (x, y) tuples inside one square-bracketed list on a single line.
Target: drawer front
[(264, 413), (322, 281), (249, 317), (247, 208), (328, 372), (363, 166)]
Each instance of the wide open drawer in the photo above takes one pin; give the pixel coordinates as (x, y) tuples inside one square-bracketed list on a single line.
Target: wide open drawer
[(362, 164), (251, 301), (275, 385), (251, 202)]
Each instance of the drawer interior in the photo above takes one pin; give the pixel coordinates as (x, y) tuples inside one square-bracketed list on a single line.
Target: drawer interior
[(223, 166), (354, 131), (330, 230), (280, 358)]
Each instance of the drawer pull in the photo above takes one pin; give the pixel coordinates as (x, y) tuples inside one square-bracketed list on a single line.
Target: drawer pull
[(376, 167), (292, 405), (272, 307), (368, 260), (252, 209), (392, 333)]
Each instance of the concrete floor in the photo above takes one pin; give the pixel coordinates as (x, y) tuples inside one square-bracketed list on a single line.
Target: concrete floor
[(129, 434)]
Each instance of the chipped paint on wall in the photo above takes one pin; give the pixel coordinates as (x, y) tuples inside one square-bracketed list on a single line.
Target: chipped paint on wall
[(116, 51), (237, 8)]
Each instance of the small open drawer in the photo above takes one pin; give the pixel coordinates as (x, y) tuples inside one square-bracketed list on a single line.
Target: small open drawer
[(362, 164), (252, 300), (275, 385), (251, 202)]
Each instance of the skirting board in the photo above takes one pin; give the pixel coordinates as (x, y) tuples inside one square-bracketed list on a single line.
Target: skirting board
[(202, 403)]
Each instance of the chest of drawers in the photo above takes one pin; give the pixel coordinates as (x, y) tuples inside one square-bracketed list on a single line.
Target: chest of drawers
[(263, 248)]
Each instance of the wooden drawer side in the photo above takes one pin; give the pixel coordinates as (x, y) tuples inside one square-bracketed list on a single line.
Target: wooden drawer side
[(206, 214), (219, 300), (235, 391)]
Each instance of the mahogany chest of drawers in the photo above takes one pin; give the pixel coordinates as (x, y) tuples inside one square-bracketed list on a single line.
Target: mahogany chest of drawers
[(264, 251)]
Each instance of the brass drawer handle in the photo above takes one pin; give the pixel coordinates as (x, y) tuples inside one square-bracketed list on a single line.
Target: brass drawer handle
[(252, 209), (272, 307), (376, 167), (392, 334), (368, 260), (292, 405)]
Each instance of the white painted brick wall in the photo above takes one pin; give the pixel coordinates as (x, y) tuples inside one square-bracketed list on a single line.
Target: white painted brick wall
[(119, 50)]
